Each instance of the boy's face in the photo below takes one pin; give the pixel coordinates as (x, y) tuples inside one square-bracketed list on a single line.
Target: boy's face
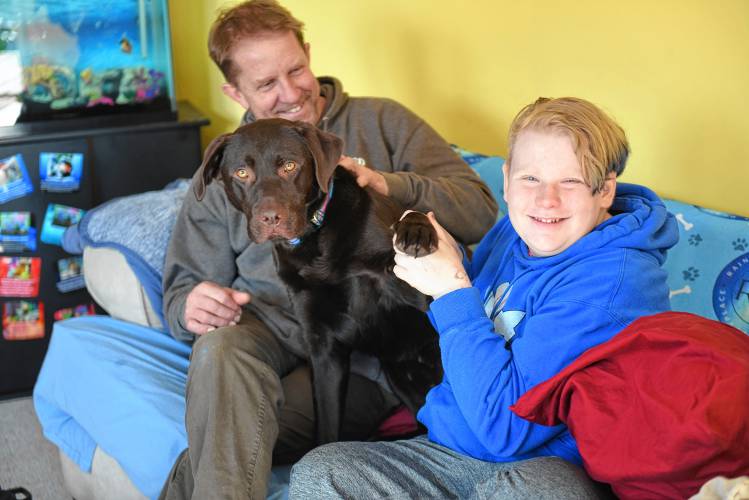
[(275, 80), (549, 204)]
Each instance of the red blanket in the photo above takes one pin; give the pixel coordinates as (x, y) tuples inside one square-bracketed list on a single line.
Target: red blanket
[(659, 409)]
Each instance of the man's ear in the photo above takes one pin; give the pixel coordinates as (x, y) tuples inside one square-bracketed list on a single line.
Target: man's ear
[(209, 169), (234, 94), (326, 150), (307, 52)]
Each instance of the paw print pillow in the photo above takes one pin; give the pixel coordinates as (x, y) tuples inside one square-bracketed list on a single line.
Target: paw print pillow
[(708, 270)]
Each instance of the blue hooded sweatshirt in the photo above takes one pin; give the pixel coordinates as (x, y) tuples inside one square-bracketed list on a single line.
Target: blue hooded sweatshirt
[(526, 318)]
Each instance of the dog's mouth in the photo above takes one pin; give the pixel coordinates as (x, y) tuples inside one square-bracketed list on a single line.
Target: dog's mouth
[(263, 235), (288, 228)]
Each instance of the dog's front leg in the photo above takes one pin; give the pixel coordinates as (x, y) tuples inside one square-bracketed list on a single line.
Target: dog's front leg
[(329, 363)]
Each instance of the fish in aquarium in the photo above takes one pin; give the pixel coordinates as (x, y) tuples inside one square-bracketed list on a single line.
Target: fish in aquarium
[(125, 45), (78, 56)]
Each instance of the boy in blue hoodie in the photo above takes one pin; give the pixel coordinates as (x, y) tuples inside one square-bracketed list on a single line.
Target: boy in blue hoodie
[(576, 260)]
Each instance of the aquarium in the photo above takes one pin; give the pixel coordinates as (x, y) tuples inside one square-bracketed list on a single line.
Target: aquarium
[(81, 62)]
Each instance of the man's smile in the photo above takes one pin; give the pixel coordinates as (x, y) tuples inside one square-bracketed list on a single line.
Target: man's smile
[(291, 110)]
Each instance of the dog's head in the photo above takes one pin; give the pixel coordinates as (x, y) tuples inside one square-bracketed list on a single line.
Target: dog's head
[(272, 171)]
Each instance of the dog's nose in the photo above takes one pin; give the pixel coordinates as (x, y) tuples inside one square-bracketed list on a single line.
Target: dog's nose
[(270, 217)]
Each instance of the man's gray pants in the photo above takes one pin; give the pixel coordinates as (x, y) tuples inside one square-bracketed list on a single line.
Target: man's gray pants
[(249, 405), (420, 469)]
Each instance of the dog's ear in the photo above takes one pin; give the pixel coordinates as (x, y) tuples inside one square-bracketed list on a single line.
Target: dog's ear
[(326, 150), (211, 163)]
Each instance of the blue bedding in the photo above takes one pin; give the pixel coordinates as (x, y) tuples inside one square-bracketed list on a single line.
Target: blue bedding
[(101, 379), (120, 386)]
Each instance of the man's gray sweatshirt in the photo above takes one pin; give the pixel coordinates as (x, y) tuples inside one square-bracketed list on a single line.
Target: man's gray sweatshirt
[(209, 241)]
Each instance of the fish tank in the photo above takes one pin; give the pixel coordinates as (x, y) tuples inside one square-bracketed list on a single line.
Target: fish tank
[(69, 63)]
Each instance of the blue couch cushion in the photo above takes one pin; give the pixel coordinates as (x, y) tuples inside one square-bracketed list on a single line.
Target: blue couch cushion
[(708, 270)]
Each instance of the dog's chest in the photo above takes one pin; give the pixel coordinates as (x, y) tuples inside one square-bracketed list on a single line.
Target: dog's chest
[(348, 286), (352, 289)]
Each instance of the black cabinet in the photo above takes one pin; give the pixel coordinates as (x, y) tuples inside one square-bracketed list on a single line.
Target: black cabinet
[(117, 161)]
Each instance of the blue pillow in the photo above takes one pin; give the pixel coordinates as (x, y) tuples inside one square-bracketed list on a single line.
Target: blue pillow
[(708, 269)]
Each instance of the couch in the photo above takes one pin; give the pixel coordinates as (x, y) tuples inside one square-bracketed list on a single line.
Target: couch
[(110, 394)]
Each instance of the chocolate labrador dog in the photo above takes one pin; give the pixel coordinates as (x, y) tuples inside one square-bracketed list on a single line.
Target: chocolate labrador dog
[(333, 248)]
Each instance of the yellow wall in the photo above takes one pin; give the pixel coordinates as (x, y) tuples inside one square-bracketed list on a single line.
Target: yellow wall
[(673, 73)]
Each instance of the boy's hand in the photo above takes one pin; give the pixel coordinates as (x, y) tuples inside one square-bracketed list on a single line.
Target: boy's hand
[(435, 274)]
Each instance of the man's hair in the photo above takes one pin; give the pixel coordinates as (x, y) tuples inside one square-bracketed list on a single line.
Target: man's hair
[(599, 142), (245, 20)]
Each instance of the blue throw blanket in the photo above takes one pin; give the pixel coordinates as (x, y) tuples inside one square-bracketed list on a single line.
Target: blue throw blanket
[(139, 226), (119, 386)]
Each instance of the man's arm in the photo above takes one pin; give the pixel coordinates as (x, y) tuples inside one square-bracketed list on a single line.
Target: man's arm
[(434, 178), (200, 251), (421, 170)]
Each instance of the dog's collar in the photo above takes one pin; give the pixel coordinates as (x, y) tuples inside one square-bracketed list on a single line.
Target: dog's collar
[(319, 216)]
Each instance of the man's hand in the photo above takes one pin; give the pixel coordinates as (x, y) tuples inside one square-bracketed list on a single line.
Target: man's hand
[(435, 274), (210, 306), (365, 176)]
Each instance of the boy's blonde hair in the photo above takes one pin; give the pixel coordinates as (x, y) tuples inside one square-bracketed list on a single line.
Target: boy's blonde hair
[(599, 142)]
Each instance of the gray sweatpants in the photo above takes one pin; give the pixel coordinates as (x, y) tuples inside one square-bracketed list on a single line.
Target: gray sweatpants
[(249, 405), (419, 468)]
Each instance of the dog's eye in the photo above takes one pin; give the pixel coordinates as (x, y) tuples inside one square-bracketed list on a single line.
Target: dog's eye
[(289, 166), (242, 173)]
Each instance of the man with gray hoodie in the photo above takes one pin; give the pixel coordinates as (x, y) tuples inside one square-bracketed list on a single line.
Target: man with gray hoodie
[(249, 400)]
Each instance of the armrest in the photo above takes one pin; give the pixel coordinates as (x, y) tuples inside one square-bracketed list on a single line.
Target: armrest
[(114, 286)]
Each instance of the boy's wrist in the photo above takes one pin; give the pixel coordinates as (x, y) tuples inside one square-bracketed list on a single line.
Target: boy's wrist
[(460, 280)]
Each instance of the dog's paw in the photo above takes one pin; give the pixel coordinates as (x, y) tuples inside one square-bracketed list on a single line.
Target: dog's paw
[(415, 235)]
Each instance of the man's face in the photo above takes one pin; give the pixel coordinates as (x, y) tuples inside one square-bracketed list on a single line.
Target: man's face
[(549, 204), (274, 78)]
